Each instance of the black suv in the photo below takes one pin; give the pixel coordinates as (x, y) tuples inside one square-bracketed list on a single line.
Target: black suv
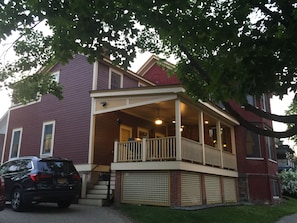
[(31, 180)]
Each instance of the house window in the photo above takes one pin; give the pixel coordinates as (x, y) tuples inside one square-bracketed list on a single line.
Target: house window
[(47, 141), (15, 143), (251, 100), (270, 148), (115, 80), (226, 138), (56, 76), (142, 133), (265, 103), (275, 188), (253, 147)]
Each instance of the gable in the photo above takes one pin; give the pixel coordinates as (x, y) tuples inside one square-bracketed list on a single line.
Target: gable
[(159, 76)]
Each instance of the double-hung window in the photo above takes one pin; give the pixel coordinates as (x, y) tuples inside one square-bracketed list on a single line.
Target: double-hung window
[(47, 141), (115, 80), (15, 143)]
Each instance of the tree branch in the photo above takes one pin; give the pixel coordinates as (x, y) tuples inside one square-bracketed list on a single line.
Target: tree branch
[(266, 132), (270, 116)]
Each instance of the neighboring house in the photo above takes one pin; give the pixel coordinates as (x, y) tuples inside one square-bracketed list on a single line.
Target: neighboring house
[(284, 158), (3, 127), (107, 120)]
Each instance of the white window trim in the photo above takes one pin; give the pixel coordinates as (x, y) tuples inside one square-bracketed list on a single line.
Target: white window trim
[(52, 140), (109, 78), (12, 139)]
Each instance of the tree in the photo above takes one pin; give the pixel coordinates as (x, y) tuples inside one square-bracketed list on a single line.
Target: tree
[(226, 49), (291, 111)]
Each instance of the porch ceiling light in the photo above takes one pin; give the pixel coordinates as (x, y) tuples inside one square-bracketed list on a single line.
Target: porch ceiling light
[(158, 121)]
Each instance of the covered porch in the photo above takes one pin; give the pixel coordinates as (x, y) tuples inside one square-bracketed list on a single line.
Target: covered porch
[(193, 140)]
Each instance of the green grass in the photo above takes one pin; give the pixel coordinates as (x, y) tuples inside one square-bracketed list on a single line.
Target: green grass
[(238, 214)]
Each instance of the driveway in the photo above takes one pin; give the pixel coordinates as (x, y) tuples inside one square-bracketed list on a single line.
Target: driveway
[(50, 213)]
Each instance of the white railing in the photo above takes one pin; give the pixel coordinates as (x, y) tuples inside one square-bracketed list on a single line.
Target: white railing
[(129, 151), (212, 156), (229, 161), (192, 151), (162, 149)]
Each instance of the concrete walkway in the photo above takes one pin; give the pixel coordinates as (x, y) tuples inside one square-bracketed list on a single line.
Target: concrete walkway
[(288, 219)]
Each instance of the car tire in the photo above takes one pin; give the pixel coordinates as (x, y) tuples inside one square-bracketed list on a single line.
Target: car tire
[(64, 204), (17, 202)]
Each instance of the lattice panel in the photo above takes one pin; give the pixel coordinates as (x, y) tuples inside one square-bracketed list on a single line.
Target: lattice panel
[(229, 189), (146, 188), (190, 189), (213, 189)]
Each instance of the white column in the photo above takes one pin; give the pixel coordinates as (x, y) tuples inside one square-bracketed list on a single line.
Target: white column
[(219, 142), (201, 134), (143, 148), (115, 152), (177, 129)]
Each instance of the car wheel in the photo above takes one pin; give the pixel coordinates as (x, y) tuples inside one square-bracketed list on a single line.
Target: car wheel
[(64, 204), (17, 202)]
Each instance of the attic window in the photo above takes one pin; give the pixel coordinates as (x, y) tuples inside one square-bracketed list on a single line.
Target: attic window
[(115, 80)]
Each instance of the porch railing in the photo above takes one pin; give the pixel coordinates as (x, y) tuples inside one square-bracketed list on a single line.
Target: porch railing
[(162, 149)]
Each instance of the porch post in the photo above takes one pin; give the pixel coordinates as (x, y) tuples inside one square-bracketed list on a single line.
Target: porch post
[(177, 129), (201, 134), (143, 148), (219, 143), (115, 152)]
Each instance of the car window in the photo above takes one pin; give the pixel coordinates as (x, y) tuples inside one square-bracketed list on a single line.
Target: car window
[(56, 166)]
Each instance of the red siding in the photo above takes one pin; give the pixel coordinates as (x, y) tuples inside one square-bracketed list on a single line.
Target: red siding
[(159, 76), (71, 115)]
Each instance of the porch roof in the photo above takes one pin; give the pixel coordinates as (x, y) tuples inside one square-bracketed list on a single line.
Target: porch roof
[(125, 98)]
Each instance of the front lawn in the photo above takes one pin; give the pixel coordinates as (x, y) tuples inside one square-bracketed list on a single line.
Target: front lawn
[(238, 214)]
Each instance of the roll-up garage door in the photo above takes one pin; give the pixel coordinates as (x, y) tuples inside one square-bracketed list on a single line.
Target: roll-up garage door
[(191, 189), (213, 189), (146, 188)]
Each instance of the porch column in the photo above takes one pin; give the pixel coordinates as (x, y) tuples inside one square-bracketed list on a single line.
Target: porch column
[(115, 151), (201, 134), (219, 142), (177, 129)]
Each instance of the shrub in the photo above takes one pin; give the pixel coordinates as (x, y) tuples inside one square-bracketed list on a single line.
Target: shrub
[(288, 180)]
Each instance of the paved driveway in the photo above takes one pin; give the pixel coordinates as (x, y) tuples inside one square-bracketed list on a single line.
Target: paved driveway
[(50, 213)]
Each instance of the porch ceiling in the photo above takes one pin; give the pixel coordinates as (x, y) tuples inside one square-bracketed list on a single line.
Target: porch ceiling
[(165, 111)]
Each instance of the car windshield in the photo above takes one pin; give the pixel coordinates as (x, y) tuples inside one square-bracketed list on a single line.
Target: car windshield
[(54, 166)]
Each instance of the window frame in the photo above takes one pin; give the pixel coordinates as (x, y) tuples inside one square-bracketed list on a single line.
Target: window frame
[(42, 153), (258, 138), (111, 71), (12, 142)]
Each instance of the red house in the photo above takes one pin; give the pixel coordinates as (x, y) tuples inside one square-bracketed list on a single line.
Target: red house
[(106, 121)]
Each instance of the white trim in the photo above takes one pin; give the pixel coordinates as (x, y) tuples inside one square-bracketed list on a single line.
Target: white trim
[(5, 137), (109, 78), (52, 139), (254, 158), (95, 75), (173, 165), (137, 91), (12, 139)]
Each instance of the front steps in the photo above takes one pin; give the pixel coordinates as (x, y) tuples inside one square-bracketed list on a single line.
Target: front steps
[(97, 195)]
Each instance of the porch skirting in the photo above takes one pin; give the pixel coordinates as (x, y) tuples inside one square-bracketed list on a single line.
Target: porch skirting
[(174, 188)]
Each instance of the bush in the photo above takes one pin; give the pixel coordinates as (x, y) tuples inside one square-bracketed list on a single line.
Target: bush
[(288, 180)]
